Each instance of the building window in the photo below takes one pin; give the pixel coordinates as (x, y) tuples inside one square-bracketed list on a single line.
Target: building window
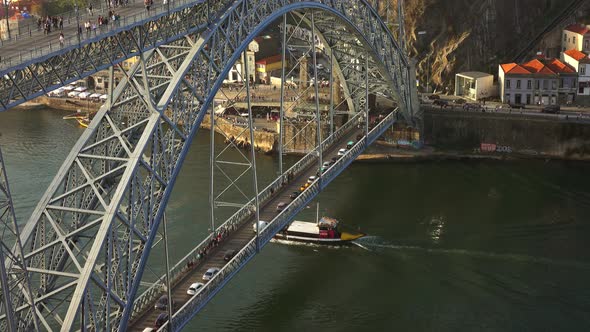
[(561, 83), (583, 69), (507, 100), (508, 84), (518, 84), (586, 44), (529, 84), (564, 37), (574, 39), (574, 83), (537, 84), (553, 84), (545, 84)]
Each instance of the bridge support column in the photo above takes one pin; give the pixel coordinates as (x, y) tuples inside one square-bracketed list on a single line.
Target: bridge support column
[(252, 153), (282, 98), (167, 257), (331, 92), (367, 99), (212, 168), (317, 95)]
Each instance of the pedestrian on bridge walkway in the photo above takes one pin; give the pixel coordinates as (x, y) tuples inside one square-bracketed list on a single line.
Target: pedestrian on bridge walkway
[(89, 9), (61, 39)]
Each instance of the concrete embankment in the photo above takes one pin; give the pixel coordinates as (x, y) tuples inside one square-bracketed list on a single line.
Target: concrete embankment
[(455, 135), (511, 135), (263, 141)]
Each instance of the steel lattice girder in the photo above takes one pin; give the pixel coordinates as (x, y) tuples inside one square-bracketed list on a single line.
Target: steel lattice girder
[(89, 238), (40, 76), (15, 291)]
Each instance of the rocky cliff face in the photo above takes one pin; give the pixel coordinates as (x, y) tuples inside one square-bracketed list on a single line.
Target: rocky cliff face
[(467, 35)]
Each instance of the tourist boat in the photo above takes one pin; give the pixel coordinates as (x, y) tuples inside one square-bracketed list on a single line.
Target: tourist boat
[(325, 231)]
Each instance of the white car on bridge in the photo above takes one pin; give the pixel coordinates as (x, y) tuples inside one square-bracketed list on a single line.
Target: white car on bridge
[(194, 288), (261, 225)]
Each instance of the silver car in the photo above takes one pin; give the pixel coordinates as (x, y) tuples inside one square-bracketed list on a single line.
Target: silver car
[(210, 273)]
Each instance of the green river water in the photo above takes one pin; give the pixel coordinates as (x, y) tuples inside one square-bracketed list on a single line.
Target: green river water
[(452, 246)]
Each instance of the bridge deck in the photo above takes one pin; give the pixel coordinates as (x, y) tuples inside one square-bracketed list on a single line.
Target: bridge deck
[(37, 42), (239, 238)]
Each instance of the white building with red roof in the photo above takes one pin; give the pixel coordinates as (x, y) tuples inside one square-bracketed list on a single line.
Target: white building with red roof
[(576, 37), (540, 81), (580, 61)]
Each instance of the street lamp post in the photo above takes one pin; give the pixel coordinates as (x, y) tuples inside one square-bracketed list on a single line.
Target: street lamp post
[(77, 21), (422, 33)]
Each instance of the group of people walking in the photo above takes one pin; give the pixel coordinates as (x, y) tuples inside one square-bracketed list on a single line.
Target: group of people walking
[(49, 22)]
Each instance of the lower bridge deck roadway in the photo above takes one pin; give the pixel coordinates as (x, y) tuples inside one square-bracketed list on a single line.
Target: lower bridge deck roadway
[(239, 238)]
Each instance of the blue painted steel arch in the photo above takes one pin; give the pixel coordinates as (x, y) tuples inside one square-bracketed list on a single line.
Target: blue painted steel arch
[(289, 7)]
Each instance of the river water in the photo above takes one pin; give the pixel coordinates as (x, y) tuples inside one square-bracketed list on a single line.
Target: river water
[(452, 246)]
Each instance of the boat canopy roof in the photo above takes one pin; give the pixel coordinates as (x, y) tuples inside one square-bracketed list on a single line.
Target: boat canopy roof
[(303, 227), (327, 222)]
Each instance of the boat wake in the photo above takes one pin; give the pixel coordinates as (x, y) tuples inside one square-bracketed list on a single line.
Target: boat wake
[(374, 242)]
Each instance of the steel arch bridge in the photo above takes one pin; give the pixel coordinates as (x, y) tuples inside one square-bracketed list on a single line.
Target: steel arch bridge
[(87, 243)]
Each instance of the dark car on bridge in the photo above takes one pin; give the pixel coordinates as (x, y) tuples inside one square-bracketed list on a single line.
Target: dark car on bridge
[(162, 303), (229, 255)]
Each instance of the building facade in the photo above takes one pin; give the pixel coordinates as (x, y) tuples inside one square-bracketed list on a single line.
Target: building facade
[(474, 85), (580, 61), (538, 82), (238, 70), (576, 37)]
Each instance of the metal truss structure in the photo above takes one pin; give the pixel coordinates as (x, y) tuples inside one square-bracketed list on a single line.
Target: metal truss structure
[(16, 289), (87, 243), (39, 75)]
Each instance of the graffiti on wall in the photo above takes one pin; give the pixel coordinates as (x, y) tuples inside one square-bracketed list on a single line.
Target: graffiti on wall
[(491, 147)]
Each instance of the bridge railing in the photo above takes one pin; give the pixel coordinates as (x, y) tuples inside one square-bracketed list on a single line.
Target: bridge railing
[(383, 125), (125, 21), (150, 295), (185, 313)]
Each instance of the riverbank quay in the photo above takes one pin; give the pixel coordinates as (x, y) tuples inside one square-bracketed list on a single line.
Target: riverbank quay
[(448, 134)]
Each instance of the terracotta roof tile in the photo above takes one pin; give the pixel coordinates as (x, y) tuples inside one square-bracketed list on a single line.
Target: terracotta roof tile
[(560, 67), (513, 68), (538, 66), (575, 54), (270, 59), (578, 28)]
